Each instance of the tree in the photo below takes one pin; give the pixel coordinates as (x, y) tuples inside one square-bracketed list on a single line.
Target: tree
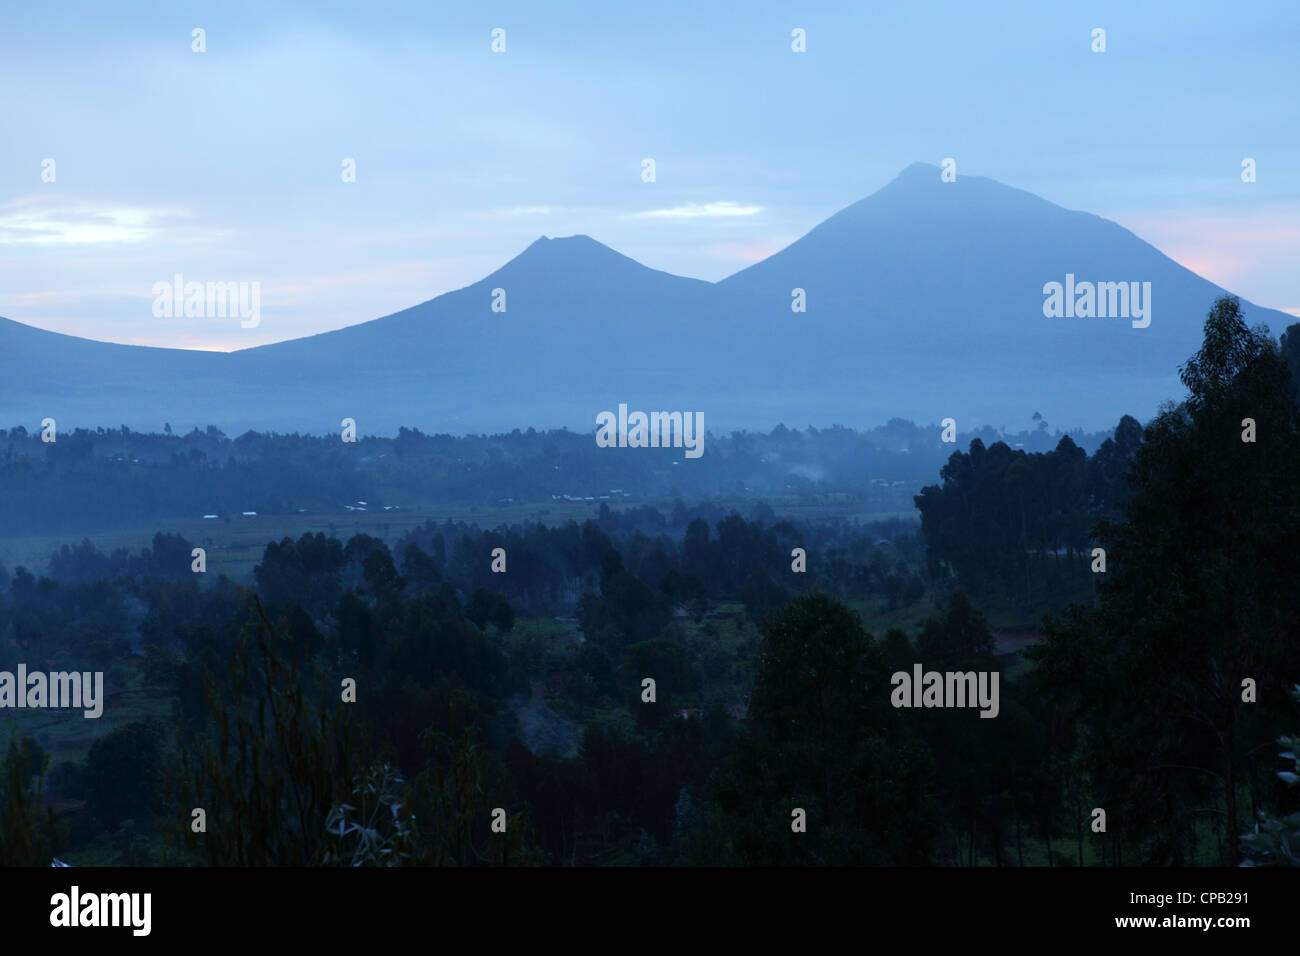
[(822, 736), (124, 772), (485, 607), (380, 572), (453, 796), (26, 830), (958, 640), (627, 611), (663, 659), (1289, 347), (276, 766), (1198, 598)]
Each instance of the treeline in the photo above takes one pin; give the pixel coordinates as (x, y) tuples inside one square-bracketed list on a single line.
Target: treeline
[(115, 478), (1176, 680), (1022, 522), (437, 659), (744, 720), (719, 556), (1167, 689), (1019, 523)]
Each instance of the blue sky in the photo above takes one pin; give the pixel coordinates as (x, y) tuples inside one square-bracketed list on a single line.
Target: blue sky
[(225, 166)]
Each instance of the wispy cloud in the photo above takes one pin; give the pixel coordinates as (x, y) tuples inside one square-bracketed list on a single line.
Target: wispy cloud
[(697, 210), (34, 223)]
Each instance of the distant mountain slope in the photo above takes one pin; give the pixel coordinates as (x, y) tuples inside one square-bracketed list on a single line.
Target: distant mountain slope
[(83, 382), (583, 326), (924, 300), (942, 283)]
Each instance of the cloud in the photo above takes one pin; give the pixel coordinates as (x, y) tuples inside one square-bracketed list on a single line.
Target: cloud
[(28, 223), (696, 210)]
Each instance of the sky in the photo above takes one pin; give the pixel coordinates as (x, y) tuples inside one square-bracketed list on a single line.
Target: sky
[(226, 165)]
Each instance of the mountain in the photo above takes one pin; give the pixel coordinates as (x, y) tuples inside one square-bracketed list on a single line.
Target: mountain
[(934, 287), (89, 383), (582, 324), (923, 300)]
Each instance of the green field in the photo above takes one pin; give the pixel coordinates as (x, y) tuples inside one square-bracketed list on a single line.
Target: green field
[(235, 545)]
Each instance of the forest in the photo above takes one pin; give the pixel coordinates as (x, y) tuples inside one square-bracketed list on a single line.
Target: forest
[(469, 693), (116, 478)]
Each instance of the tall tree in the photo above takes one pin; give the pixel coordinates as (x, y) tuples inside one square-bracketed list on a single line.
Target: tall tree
[(1198, 600), (822, 737)]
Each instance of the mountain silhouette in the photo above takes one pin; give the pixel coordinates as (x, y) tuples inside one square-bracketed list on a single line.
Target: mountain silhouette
[(923, 300)]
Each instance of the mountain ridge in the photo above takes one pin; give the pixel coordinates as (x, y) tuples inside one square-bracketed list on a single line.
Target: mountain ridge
[(922, 300)]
